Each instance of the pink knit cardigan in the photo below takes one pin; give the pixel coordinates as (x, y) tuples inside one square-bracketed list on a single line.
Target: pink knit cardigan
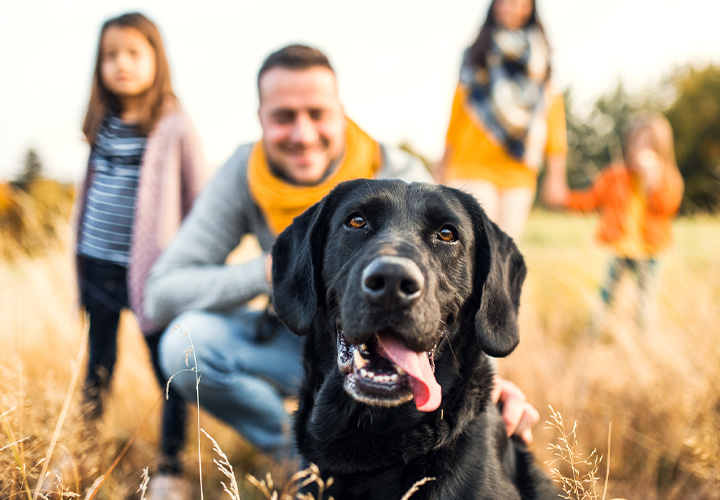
[(172, 173)]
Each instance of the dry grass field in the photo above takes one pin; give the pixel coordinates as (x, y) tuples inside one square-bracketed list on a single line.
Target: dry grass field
[(647, 402)]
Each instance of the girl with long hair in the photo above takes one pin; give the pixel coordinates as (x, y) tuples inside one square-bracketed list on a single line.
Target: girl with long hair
[(144, 171)]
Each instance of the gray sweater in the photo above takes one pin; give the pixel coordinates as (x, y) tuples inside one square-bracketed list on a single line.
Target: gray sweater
[(192, 273)]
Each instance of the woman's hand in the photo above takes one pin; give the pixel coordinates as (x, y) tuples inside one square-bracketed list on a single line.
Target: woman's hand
[(554, 190)]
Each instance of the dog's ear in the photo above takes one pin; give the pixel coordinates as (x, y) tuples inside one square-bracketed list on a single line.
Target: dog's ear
[(296, 258), (499, 276)]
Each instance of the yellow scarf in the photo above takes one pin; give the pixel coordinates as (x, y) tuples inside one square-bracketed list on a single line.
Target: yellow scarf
[(280, 201)]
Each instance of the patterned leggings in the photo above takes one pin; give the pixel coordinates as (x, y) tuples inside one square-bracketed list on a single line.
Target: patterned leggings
[(645, 273)]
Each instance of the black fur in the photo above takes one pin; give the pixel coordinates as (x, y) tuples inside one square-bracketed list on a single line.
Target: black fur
[(465, 309)]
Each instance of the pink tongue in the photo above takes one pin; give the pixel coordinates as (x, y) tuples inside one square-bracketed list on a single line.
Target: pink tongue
[(425, 389)]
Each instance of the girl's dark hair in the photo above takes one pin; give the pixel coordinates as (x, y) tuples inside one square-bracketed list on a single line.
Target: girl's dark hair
[(478, 51), (295, 57), (157, 98)]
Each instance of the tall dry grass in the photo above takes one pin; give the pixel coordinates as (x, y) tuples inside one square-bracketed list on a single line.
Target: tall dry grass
[(660, 389), (41, 334)]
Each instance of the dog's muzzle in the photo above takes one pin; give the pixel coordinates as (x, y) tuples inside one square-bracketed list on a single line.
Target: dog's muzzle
[(384, 372)]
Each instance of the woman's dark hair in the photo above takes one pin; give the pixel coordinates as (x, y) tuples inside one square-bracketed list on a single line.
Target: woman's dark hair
[(295, 57), (156, 99), (478, 51)]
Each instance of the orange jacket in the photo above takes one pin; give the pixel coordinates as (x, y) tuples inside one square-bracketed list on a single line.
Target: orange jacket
[(610, 195)]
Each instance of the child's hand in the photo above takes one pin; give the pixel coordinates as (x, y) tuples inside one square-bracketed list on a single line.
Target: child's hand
[(648, 167)]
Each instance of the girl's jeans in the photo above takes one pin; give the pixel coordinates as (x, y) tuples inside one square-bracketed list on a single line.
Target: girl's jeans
[(103, 290)]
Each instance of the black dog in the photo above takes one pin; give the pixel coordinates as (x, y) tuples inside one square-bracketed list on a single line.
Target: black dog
[(404, 290)]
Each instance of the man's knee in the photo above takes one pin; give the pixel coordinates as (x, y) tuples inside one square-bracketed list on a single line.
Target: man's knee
[(200, 337), (177, 349)]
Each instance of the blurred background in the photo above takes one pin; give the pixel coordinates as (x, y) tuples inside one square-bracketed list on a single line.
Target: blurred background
[(397, 63)]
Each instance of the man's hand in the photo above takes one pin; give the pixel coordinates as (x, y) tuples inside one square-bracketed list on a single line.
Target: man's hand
[(518, 415)]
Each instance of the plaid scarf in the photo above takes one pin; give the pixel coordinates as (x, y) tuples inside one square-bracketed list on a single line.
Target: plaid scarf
[(508, 96)]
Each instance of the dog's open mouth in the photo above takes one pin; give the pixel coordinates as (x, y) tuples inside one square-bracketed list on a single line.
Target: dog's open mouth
[(385, 372)]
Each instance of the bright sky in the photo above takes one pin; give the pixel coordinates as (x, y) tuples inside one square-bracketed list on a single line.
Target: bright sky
[(397, 61)]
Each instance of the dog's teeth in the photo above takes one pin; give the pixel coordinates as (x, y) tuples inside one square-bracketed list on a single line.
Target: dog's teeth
[(371, 374), (359, 360), (363, 372), (393, 377), (363, 347)]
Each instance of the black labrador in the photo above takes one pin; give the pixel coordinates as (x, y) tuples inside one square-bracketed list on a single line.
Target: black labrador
[(403, 291)]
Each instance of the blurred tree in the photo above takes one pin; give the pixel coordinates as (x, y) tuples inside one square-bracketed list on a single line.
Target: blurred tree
[(695, 117), (32, 169), (594, 141), (31, 206)]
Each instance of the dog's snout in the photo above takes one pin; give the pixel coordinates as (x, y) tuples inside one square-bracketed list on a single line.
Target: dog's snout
[(392, 281)]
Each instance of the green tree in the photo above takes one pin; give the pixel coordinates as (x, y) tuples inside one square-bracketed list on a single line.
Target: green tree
[(695, 117), (32, 169), (595, 140)]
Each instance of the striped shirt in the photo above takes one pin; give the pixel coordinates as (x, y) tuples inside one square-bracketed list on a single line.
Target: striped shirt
[(115, 160)]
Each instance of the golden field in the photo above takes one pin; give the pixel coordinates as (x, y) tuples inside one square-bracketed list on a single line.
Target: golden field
[(647, 401)]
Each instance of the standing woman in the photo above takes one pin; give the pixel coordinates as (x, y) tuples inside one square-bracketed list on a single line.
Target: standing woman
[(506, 118), (145, 169)]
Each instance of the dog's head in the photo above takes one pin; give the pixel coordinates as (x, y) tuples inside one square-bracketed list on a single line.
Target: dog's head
[(387, 273)]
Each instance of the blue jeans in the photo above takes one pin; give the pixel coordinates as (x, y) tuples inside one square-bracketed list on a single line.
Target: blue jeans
[(244, 375)]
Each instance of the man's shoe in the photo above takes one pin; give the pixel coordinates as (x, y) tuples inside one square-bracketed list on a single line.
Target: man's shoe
[(167, 487)]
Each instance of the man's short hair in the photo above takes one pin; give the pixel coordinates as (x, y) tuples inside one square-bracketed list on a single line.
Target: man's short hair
[(296, 57)]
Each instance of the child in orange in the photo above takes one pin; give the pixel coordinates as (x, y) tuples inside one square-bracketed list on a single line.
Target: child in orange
[(637, 202)]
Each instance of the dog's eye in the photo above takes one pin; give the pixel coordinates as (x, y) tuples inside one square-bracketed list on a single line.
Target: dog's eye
[(356, 222), (447, 234)]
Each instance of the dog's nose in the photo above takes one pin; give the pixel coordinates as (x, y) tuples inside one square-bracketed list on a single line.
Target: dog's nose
[(392, 281)]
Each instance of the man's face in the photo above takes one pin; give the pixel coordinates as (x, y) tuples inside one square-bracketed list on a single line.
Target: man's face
[(303, 121)]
